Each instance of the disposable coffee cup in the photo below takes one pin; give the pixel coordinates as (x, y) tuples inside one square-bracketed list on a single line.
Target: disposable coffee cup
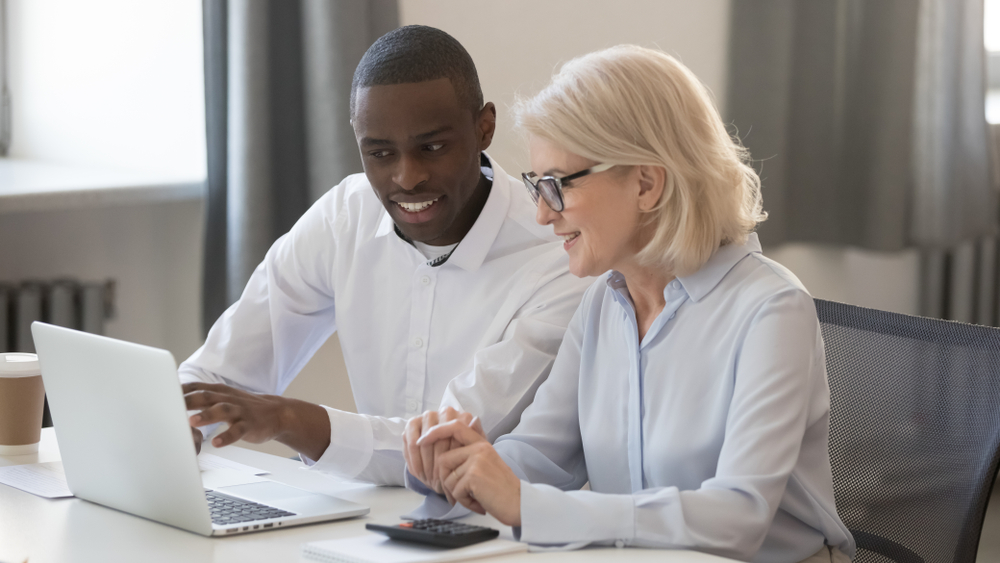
[(22, 399)]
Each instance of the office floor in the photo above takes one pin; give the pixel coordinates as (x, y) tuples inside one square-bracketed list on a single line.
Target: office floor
[(989, 543)]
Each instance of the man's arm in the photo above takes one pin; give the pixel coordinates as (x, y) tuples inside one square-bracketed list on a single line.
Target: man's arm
[(263, 340), (259, 418)]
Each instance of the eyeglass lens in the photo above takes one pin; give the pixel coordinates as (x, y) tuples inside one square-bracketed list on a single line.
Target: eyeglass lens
[(550, 191)]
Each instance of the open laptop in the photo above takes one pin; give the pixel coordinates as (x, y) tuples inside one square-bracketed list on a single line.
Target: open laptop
[(123, 432)]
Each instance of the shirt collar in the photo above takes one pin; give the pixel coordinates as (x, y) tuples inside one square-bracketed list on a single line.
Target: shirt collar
[(473, 248), (386, 226), (700, 283)]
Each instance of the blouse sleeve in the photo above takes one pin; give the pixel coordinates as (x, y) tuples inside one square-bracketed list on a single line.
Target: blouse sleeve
[(546, 446)]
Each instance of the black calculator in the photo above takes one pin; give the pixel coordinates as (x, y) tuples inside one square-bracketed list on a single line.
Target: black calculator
[(442, 533)]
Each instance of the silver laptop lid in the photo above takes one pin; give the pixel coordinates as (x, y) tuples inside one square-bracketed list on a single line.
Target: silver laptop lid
[(121, 424)]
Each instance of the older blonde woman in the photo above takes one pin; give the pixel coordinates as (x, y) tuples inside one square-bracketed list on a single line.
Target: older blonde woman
[(690, 389)]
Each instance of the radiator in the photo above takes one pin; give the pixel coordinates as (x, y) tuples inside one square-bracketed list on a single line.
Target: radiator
[(64, 302)]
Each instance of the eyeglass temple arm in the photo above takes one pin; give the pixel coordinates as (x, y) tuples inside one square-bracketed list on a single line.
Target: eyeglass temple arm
[(591, 170)]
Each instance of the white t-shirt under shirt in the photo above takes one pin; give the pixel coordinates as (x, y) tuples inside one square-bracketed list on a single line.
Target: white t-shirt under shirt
[(478, 332), (432, 253)]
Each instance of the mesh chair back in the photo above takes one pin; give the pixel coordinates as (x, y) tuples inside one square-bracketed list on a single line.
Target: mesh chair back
[(914, 431)]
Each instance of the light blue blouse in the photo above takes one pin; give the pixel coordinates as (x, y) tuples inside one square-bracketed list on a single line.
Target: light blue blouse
[(709, 434)]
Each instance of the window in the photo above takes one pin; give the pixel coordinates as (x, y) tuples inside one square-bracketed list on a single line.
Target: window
[(109, 84), (992, 40), (4, 90)]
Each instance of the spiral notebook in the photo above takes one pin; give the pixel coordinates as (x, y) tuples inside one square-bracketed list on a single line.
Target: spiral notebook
[(376, 548)]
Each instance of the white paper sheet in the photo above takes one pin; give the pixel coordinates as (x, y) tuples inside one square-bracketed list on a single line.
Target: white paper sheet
[(42, 479), (49, 481), (211, 461)]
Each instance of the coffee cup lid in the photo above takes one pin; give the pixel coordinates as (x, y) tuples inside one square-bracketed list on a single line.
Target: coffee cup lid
[(19, 365)]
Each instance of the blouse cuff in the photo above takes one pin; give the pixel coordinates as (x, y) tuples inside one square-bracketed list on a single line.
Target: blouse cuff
[(351, 445), (552, 516)]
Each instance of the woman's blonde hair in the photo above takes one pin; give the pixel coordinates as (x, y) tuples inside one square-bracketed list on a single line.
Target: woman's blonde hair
[(630, 105)]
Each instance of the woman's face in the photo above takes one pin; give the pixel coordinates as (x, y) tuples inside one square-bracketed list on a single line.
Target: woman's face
[(600, 222)]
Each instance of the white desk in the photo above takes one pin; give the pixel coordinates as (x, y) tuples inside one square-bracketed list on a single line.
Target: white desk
[(73, 530)]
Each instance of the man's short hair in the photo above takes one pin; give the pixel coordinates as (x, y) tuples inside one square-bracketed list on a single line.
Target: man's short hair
[(418, 53)]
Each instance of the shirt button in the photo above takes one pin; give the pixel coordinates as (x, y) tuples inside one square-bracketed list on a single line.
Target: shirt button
[(426, 280), (418, 342), (411, 405), (619, 543), (674, 284)]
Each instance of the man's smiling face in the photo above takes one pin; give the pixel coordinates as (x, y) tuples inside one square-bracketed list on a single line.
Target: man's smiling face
[(420, 148)]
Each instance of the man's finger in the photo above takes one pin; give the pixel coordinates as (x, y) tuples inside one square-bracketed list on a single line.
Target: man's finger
[(454, 429), (230, 436), (219, 412), (202, 386), (198, 438), (197, 400)]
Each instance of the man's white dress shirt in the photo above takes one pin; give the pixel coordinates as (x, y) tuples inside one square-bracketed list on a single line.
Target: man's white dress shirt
[(478, 332), (709, 434)]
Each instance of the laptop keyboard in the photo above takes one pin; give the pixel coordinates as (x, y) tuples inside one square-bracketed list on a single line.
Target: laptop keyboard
[(231, 510)]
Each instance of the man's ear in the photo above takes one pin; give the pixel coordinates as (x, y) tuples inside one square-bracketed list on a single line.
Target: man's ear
[(486, 125), (652, 181)]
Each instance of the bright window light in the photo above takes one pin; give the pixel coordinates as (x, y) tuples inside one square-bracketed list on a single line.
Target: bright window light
[(991, 33), (992, 25)]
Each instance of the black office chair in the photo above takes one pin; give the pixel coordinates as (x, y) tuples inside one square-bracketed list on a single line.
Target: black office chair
[(914, 431)]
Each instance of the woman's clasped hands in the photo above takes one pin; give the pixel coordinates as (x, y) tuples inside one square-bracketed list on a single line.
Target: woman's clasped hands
[(449, 453)]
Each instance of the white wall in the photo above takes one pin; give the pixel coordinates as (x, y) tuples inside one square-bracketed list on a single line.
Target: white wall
[(113, 83), (881, 280), (518, 44)]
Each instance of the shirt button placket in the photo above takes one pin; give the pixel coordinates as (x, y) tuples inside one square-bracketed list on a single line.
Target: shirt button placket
[(420, 315)]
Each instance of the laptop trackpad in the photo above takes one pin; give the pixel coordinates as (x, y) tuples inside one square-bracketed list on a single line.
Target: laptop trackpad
[(267, 492)]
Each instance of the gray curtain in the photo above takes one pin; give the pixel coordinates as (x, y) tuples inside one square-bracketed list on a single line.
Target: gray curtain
[(277, 86), (867, 119)]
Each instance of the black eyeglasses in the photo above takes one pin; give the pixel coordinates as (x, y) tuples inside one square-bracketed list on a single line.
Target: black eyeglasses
[(550, 188)]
